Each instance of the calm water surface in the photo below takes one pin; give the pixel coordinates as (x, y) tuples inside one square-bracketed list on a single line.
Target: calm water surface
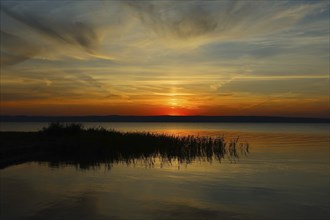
[(285, 176)]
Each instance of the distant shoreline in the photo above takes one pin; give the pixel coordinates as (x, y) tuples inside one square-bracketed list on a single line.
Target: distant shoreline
[(164, 118)]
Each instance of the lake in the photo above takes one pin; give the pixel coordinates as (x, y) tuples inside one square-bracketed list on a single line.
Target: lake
[(284, 176)]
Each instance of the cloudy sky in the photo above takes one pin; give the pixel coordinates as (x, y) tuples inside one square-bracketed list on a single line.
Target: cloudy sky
[(101, 57)]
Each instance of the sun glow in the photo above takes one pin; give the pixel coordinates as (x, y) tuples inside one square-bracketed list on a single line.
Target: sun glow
[(173, 103), (176, 112), (176, 108)]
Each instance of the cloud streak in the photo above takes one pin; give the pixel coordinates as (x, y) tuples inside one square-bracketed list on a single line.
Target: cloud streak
[(183, 23), (15, 49), (73, 32), (213, 20), (48, 36), (178, 24)]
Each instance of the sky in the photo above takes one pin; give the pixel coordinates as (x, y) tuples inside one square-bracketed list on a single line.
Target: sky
[(101, 57)]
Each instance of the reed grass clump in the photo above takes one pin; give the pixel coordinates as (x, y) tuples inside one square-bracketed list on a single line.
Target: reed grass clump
[(72, 143)]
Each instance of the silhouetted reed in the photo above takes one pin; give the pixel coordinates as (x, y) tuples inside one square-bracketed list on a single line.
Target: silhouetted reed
[(72, 144)]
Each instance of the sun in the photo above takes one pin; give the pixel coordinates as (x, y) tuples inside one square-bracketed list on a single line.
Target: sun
[(173, 110), (177, 111), (175, 102), (174, 106), (174, 113)]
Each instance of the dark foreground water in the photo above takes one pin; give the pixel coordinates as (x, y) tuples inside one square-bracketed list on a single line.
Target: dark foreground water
[(285, 176)]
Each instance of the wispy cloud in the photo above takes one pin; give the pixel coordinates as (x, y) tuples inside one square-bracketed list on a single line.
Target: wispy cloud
[(15, 49), (73, 32), (207, 21), (47, 35), (120, 30)]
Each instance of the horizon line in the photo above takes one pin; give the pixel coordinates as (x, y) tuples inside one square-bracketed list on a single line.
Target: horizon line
[(164, 118), (115, 115)]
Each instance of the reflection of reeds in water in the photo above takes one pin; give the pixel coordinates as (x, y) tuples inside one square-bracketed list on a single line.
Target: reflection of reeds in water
[(71, 144)]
